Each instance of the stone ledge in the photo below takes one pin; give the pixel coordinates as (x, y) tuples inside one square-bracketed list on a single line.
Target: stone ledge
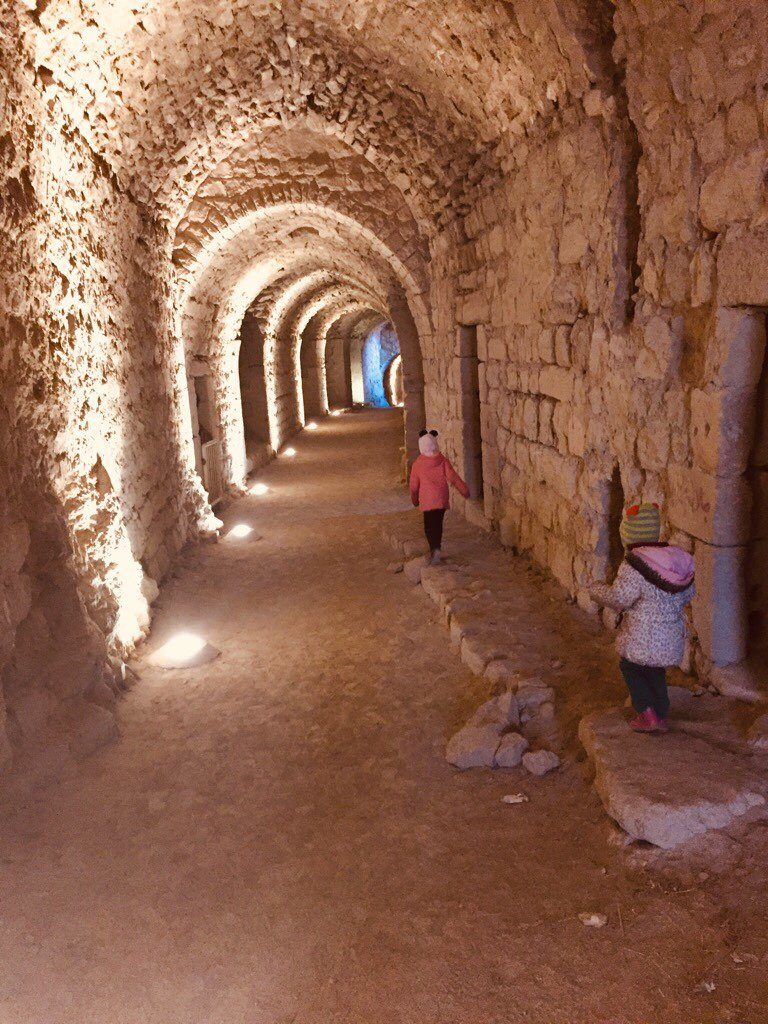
[(668, 789)]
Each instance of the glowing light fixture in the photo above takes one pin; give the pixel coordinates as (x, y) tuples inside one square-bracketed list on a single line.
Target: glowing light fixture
[(336, 412), (184, 646), (184, 650), (241, 530), (290, 452), (311, 426), (259, 489)]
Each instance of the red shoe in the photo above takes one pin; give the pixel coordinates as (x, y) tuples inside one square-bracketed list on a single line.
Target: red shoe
[(647, 721)]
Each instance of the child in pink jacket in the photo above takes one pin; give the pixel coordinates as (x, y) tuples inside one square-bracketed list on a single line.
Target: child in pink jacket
[(431, 474)]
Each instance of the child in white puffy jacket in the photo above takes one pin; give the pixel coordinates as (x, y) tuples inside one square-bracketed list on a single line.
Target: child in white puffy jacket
[(652, 587)]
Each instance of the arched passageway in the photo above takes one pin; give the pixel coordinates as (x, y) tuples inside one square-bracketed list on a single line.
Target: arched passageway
[(206, 209)]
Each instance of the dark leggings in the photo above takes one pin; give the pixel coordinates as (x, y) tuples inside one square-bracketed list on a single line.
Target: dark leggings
[(433, 527), (647, 686)]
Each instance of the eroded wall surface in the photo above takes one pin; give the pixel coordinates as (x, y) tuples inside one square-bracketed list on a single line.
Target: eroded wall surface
[(94, 499)]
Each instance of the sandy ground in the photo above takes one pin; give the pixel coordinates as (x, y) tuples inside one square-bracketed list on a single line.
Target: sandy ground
[(276, 838)]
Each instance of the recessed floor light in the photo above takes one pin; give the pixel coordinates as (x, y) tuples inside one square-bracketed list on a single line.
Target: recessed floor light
[(259, 489), (290, 452), (241, 530), (184, 650), (311, 426)]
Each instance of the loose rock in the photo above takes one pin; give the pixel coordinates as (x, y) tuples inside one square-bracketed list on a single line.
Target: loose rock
[(652, 791), (413, 570), (502, 673), (511, 750), (532, 695), (500, 712), (473, 747), (541, 762)]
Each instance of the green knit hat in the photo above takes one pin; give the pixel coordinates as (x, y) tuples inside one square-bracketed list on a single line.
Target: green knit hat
[(640, 524)]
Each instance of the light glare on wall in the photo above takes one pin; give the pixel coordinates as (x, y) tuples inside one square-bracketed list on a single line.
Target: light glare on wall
[(259, 489), (241, 530)]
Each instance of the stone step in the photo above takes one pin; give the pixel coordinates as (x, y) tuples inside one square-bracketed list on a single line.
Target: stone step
[(668, 789)]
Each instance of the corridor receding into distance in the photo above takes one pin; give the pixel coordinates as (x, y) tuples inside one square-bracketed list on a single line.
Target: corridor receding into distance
[(287, 287), (277, 837)]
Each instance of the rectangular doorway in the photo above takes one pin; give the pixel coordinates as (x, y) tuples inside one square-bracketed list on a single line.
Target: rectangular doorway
[(472, 436)]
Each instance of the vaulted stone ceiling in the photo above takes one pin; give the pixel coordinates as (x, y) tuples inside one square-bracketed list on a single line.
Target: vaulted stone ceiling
[(167, 89), (388, 113)]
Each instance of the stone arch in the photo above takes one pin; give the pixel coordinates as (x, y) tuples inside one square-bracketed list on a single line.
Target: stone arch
[(311, 334), (310, 58), (236, 264)]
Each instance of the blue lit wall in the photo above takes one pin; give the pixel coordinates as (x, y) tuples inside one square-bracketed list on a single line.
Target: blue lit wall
[(380, 348)]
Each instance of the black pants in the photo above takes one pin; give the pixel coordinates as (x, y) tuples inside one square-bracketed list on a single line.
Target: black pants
[(433, 527), (647, 686)]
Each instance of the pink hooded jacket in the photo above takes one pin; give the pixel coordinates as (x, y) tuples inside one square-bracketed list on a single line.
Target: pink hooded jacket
[(430, 477), (669, 567), (653, 585)]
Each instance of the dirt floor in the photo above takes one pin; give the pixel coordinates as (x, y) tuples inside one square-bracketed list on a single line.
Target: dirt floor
[(277, 839)]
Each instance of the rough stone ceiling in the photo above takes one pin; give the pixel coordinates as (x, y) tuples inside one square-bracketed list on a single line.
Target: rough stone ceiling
[(238, 121), (298, 166), (165, 90), (256, 247), (260, 268), (279, 246)]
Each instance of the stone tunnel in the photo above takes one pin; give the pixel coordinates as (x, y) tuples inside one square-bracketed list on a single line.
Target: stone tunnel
[(540, 228)]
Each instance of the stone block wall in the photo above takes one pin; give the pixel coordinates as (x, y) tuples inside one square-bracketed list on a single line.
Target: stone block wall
[(536, 270), (608, 271)]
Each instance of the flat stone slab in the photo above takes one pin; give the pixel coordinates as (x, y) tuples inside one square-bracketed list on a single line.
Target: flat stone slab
[(667, 789)]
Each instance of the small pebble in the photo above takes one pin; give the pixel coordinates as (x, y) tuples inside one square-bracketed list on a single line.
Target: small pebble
[(593, 920), (515, 798)]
